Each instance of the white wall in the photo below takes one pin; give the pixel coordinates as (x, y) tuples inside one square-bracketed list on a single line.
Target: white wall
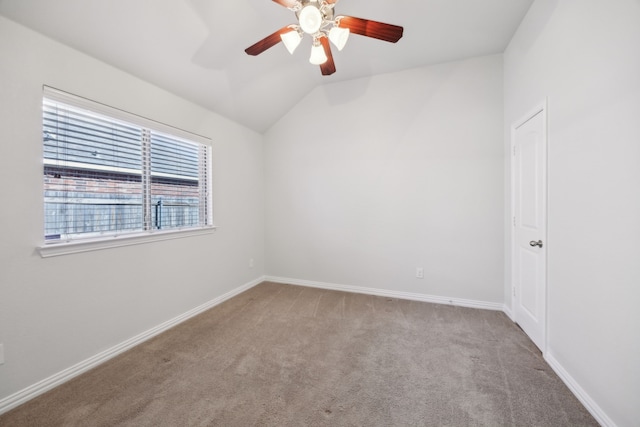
[(56, 312), (585, 57), (368, 179)]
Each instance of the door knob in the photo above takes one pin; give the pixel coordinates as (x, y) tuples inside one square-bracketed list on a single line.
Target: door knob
[(534, 243)]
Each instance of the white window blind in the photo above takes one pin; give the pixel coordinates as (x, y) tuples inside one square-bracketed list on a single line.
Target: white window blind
[(108, 173)]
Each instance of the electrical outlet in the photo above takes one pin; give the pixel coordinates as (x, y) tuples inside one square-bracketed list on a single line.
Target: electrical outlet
[(420, 272), (251, 263), (1, 354)]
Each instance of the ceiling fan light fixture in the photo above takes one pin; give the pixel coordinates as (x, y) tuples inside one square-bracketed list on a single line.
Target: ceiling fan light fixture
[(291, 40), (310, 19), (339, 36), (318, 19), (318, 56)]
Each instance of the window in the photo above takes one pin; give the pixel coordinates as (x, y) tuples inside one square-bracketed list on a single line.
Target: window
[(108, 173)]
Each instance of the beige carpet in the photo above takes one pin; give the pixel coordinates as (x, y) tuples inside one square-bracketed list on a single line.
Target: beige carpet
[(281, 355)]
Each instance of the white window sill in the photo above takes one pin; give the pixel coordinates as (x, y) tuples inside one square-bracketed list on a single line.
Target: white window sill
[(51, 249)]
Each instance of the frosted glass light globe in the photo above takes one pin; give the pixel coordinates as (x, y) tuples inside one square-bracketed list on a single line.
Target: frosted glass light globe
[(339, 36), (310, 19), (291, 40), (318, 56)]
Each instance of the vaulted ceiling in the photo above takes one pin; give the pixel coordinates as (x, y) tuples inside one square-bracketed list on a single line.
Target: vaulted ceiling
[(195, 48)]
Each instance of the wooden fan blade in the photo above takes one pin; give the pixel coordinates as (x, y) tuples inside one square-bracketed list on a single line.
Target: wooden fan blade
[(267, 42), (375, 29), (332, 1), (286, 3), (329, 67)]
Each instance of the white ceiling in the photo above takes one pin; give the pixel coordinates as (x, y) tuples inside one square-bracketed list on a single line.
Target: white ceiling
[(195, 48)]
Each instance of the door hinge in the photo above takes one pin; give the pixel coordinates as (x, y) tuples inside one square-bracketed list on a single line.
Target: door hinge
[(514, 150), (514, 291), (514, 221)]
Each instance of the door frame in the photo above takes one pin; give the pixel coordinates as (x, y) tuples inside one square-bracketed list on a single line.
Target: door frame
[(541, 108)]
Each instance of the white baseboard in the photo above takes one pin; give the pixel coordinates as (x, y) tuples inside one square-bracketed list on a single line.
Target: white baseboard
[(593, 408), (393, 294), (508, 312), (61, 377)]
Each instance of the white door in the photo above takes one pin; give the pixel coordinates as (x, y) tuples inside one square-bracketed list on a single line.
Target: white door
[(529, 225)]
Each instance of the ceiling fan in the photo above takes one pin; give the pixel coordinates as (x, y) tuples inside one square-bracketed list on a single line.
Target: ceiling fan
[(316, 18)]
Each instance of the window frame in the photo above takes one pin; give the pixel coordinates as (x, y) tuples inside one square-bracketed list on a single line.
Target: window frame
[(50, 248)]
